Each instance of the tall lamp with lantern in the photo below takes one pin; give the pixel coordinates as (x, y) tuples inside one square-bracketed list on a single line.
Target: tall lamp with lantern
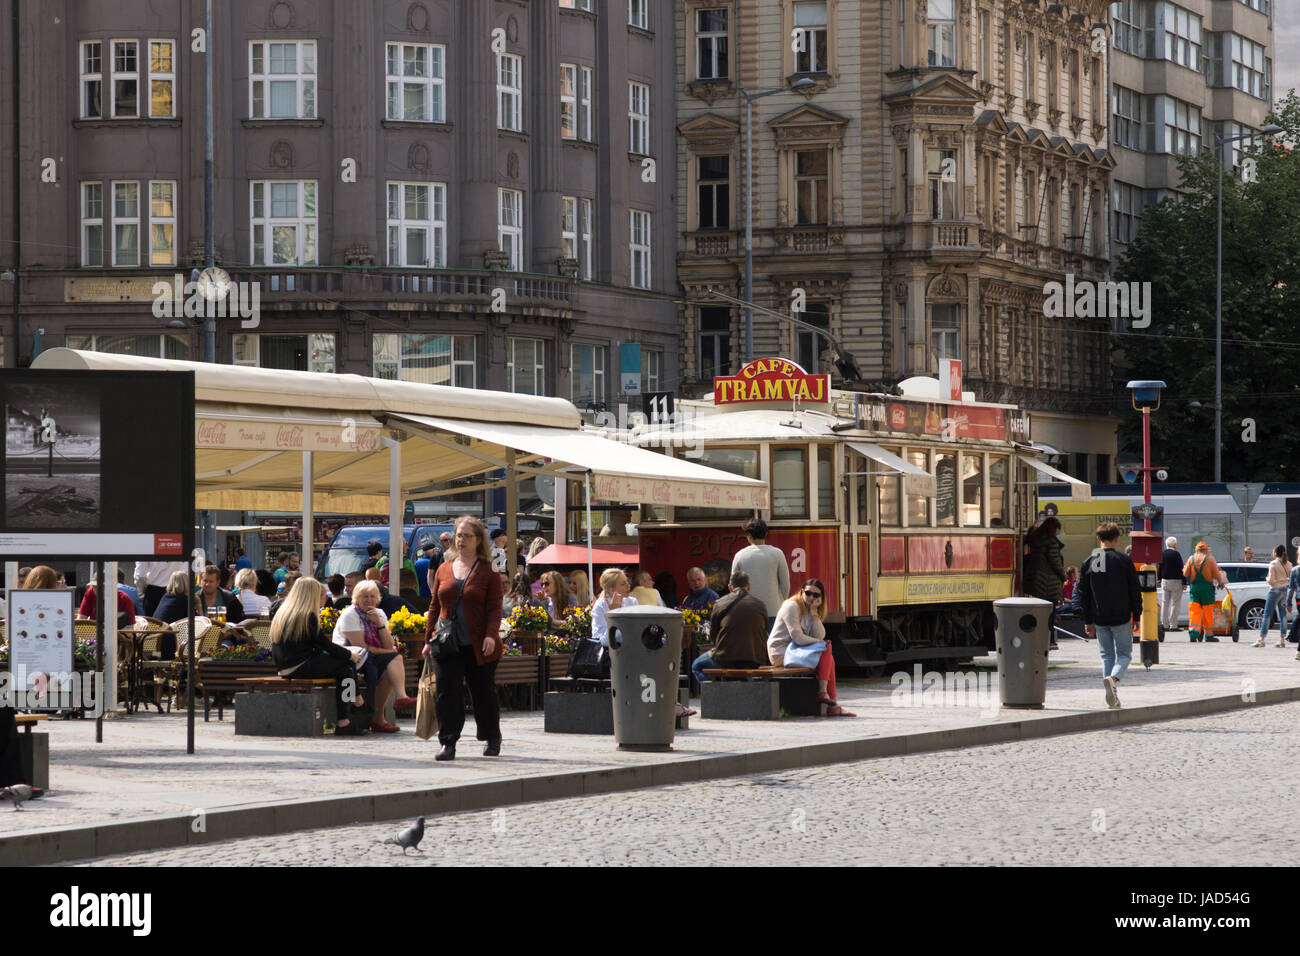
[(1147, 545)]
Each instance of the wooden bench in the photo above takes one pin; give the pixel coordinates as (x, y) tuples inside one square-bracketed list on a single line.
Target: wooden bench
[(283, 685), (216, 679), (33, 751), (760, 693)]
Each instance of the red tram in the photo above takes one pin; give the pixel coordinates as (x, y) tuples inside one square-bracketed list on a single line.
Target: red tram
[(910, 508)]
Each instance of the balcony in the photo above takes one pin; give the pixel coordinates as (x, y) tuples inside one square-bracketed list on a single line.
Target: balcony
[(344, 284), (710, 243), (949, 235)]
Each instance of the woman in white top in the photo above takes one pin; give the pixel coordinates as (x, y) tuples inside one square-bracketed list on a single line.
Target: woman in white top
[(253, 603), (362, 624), (613, 593), (1279, 573), (799, 621)]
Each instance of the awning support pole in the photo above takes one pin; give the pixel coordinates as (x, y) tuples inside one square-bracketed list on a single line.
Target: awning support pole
[(110, 629), (395, 535), (512, 515), (586, 483), (308, 518)]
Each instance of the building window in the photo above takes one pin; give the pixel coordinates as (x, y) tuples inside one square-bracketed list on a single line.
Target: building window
[(162, 223), (810, 37), (569, 227), (1128, 212), (1248, 66), (510, 226), (1030, 79), (985, 48), (941, 173), (588, 364), (1053, 78), (809, 345), (92, 224), (1030, 223), (417, 225), (945, 324), (812, 186), (942, 32), (92, 79), (584, 103), (652, 364), (713, 192), (1098, 240), (164, 345), (525, 366), (575, 101), (575, 233), (638, 14), (162, 78), (1128, 118), (429, 359), (1182, 36), (282, 80), (415, 81), (577, 4), (1076, 103), (638, 118), (1126, 15), (284, 223), (584, 238), (715, 342), (510, 91), (711, 45), (126, 78), (1053, 212), (300, 353), (1182, 126), (1096, 103), (639, 248), (126, 224)]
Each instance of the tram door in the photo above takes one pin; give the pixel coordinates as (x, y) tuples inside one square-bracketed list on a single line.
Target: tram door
[(858, 518)]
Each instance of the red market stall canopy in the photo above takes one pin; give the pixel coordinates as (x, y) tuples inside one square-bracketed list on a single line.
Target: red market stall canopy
[(577, 554)]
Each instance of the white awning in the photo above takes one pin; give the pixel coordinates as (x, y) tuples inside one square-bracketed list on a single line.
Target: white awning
[(1079, 490), (619, 472), (916, 481), (263, 428)]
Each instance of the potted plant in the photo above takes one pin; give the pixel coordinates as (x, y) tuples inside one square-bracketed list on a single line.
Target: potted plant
[(527, 623), (406, 628)]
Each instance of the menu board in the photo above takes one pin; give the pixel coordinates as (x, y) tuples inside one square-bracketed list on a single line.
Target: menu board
[(41, 634)]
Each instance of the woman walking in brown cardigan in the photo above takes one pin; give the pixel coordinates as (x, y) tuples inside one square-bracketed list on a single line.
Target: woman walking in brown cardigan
[(468, 592)]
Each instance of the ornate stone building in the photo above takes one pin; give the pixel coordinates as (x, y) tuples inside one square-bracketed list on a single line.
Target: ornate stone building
[(947, 161)]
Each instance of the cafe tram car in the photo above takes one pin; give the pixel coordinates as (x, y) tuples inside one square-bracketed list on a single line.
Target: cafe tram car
[(910, 508)]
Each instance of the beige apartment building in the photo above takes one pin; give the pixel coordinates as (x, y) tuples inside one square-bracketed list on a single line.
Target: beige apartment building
[(947, 161), (1182, 73)]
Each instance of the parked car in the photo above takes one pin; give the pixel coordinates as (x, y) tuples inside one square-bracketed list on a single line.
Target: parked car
[(1249, 589), (347, 549)]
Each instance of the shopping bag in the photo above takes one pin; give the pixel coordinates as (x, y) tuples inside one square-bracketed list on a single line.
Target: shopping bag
[(804, 655), (426, 716)]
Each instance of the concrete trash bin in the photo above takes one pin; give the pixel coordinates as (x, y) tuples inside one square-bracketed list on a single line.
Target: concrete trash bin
[(1022, 645), (645, 646)]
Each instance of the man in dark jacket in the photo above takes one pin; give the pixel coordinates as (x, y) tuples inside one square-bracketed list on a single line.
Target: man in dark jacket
[(1172, 583), (739, 629), (1110, 601)]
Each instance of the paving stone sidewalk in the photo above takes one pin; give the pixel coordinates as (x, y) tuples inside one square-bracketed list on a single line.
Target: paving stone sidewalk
[(141, 768)]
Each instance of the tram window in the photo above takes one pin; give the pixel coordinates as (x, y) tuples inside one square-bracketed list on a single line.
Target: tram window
[(918, 506), (888, 491), (945, 478), (790, 482), (825, 482), (972, 489), (735, 461), (998, 492)]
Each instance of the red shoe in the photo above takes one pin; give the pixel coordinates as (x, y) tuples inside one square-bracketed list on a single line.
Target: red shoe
[(827, 699), (403, 702), (383, 728)]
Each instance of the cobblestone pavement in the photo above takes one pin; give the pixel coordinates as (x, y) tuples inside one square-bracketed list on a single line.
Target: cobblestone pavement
[(1211, 791)]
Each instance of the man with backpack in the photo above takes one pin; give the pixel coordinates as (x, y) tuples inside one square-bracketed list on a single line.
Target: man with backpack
[(1110, 601)]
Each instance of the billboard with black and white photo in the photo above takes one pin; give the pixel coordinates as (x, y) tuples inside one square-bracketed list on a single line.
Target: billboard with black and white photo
[(96, 464)]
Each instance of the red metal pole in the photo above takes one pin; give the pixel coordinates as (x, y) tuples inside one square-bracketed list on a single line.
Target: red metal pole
[(1146, 463)]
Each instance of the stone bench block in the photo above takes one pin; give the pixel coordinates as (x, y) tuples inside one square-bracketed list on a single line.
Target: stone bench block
[(579, 713), (34, 758), (284, 715), (740, 700), (799, 697)]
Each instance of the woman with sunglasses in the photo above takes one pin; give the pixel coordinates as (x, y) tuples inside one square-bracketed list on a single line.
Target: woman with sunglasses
[(799, 621)]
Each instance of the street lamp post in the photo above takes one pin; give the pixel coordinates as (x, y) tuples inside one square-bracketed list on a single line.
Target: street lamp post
[(1219, 141), (802, 83), (1146, 543)]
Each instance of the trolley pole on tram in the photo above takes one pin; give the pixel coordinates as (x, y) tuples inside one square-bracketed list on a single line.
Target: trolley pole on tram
[(1147, 546)]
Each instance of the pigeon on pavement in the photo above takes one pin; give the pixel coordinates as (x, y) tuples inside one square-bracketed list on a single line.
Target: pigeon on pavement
[(17, 794), (410, 837)]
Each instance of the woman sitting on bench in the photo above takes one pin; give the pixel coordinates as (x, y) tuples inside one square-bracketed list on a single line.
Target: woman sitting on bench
[(799, 621), (363, 625), (300, 650)]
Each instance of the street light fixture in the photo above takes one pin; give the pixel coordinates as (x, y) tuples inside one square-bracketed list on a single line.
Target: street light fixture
[(1146, 543), (803, 83), (1219, 141)]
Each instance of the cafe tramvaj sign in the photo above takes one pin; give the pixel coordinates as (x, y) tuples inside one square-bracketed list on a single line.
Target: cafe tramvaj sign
[(772, 380)]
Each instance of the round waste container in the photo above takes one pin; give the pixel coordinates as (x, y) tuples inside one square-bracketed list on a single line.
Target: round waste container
[(1022, 641), (645, 646)]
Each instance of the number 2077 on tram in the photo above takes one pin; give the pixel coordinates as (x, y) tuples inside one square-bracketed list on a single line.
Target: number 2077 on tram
[(910, 509)]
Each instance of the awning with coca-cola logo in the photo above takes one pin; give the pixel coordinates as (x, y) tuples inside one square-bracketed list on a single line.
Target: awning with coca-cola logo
[(618, 471), (259, 428)]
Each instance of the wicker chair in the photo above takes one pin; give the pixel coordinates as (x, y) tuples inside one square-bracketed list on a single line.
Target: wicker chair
[(166, 675)]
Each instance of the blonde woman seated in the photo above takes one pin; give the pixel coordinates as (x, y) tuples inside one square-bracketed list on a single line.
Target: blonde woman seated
[(246, 587), (580, 588), (363, 625), (300, 649), (799, 622)]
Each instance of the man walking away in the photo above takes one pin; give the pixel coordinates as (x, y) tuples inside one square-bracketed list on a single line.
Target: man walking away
[(1201, 573), (769, 575), (739, 627), (1172, 583), (1110, 602)]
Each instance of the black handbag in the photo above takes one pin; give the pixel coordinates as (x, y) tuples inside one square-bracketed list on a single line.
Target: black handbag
[(443, 642), (590, 660)]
